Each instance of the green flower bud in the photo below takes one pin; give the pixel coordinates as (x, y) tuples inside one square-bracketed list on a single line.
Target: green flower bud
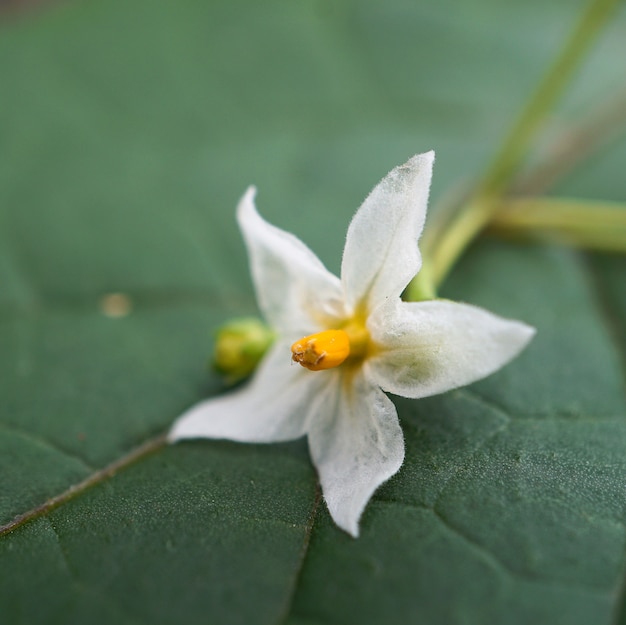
[(240, 344)]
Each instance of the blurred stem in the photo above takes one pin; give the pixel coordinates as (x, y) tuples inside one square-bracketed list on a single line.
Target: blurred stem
[(516, 146), (442, 248), (575, 144), (586, 224)]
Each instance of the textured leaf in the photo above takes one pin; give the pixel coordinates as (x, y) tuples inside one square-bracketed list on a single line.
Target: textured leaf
[(128, 133)]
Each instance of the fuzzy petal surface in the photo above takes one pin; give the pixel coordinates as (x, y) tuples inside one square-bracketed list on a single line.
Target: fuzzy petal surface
[(273, 406), (356, 443), (295, 292), (433, 346), (381, 254)]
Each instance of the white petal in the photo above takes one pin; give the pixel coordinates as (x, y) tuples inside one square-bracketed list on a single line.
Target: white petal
[(433, 346), (356, 443), (272, 407), (381, 254), (294, 290)]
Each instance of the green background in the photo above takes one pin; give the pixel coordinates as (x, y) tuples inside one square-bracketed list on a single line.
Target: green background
[(128, 131)]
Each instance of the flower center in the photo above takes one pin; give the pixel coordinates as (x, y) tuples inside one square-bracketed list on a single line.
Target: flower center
[(330, 348)]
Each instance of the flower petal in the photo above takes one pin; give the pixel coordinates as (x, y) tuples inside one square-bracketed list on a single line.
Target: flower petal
[(272, 407), (433, 346), (381, 254), (294, 289), (356, 443)]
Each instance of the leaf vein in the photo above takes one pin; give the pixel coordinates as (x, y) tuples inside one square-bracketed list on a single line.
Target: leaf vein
[(284, 618), (79, 583), (107, 472)]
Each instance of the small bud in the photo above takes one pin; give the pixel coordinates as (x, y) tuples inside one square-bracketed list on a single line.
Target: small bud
[(240, 344)]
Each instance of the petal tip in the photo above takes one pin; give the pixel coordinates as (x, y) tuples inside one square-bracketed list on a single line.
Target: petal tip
[(177, 431), (353, 530), (425, 159), (429, 156), (246, 203), (417, 173), (347, 523), (193, 423), (527, 333), (172, 437)]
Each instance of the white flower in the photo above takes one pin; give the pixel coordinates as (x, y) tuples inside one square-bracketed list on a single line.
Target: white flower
[(412, 349)]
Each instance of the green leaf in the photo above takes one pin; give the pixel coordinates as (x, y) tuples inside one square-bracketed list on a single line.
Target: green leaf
[(128, 132)]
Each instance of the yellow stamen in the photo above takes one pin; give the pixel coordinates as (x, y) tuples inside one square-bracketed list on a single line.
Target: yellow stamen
[(323, 350)]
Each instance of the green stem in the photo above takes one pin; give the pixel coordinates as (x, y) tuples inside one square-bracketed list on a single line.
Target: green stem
[(551, 212), (515, 148), (573, 145), (580, 223), (485, 201)]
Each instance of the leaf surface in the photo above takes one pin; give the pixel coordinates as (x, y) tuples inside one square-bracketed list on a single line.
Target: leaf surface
[(129, 131)]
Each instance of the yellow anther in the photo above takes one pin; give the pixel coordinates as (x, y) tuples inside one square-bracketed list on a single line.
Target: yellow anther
[(323, 350)]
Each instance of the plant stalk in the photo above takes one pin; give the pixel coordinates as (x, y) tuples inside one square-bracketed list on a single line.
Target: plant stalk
[(445, 249)]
